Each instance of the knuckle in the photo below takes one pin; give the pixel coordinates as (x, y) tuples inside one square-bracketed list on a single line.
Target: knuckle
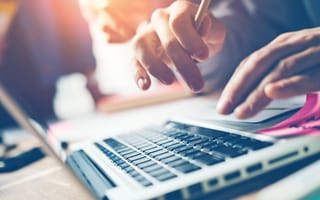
[(258, 58), (171, 46), (159, 13), (176, 22), (286, 65), (283, 37), (138, 42)]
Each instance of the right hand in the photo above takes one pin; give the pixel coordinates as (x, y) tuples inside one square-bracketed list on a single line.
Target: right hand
[(171, 40)]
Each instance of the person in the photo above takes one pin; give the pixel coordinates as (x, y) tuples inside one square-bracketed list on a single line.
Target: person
[(232, 31), (275, 42), (46, 39)]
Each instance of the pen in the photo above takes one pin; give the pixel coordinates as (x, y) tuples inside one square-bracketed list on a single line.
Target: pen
[(204, 5)]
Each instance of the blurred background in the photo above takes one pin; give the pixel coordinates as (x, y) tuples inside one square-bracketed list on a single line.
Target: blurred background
[(58, 57)]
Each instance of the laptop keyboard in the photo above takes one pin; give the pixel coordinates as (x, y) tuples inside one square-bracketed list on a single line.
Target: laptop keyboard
[(176, 149)]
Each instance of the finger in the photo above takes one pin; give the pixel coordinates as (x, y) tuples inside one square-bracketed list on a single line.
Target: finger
[(254, 103), (146, 46), (294, 64), (182, 26), (141, 76), (296, 85), (181, 59), (253, 69)]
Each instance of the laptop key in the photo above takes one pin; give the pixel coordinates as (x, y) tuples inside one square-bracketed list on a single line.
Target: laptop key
[(189, 152), (182, 149), (158, 172), (123, 165), (143, 181), (146, 164), (165, 177), (187, 168), (167, 145), (229, 151), (152, 168), (163, 156), (175, 146), (157, 153), (155, 149), (114, 143), (141, 160), (170, 159), (137, 157), (199, 142), (177, 162), (146, 148), (163, 142), (208, 159), (133, 154)]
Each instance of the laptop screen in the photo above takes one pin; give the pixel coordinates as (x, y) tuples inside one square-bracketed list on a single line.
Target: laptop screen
[(6, 119)]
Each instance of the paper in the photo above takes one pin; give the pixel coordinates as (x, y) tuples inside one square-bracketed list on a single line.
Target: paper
[(305, 121), (275, 108)]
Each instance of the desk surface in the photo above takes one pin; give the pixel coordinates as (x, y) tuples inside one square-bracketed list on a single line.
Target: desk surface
[(45, 179)]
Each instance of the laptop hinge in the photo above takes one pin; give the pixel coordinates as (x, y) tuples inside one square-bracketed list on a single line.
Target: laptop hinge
[(90, 174)]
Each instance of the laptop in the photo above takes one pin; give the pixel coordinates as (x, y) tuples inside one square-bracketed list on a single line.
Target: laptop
[(181, 159)]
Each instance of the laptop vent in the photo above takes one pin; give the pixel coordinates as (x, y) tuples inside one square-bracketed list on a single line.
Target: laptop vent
[(213, 182), (254, 168), (283, 157), (233, 175)]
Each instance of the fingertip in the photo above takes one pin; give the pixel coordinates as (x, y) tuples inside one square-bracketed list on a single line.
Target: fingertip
[(224, 107), (269, 90), (196, 85), (274, 91), (243, 112), (143, 83), (167, 77), (202, 53)]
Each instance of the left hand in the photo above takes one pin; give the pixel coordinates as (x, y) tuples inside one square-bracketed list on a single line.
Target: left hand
[(119, 19), (286, 67)]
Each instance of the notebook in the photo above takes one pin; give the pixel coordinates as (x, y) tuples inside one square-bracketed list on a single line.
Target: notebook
[(181, 159)]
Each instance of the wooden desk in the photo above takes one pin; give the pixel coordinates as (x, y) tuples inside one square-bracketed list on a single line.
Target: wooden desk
[(45, 179)]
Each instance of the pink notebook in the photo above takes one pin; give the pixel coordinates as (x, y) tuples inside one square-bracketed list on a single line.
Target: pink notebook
[(305, 121)]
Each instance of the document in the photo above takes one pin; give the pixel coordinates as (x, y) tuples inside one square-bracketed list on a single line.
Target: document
[(274, 109)]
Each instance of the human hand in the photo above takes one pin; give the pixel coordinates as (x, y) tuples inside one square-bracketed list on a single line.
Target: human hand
[(172, 41), (118, 19), (286, 67)]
